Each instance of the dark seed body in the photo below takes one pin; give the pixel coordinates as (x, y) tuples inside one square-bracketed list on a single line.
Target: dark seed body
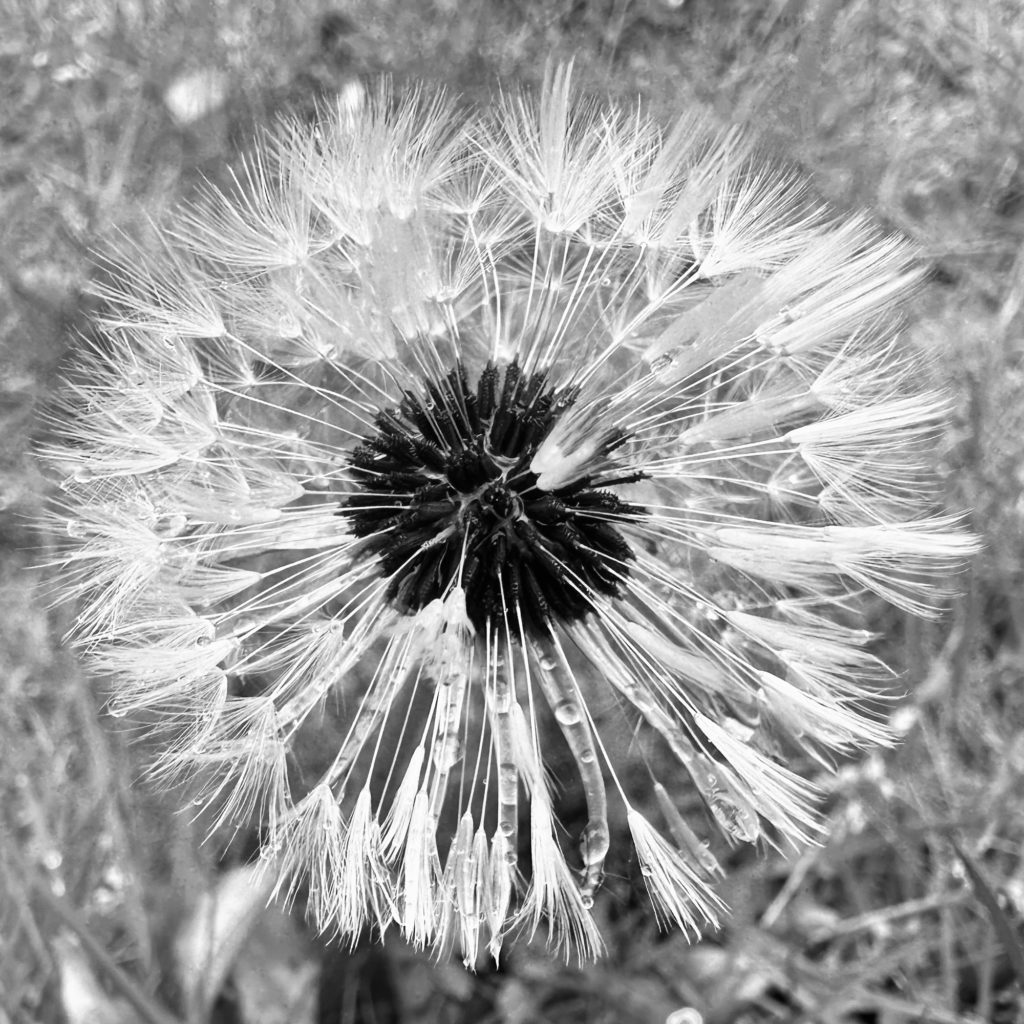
[(449, 498)]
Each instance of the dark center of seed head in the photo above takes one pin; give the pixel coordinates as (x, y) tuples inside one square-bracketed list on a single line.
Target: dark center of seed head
[(447, 496)]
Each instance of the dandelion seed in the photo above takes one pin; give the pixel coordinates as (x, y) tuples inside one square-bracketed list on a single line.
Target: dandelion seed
[(679, 894), (486, 437), (312, 845)]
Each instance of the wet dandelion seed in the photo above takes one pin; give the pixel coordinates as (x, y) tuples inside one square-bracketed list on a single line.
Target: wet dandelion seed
[(496, 436)]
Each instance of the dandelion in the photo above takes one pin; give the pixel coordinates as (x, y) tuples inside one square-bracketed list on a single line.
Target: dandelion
[(490, 438)]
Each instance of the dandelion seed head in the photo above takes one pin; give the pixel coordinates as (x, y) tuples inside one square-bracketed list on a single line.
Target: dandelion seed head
[(477, 441)]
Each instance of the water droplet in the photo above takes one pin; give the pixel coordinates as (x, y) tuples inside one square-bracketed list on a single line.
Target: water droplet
[(594, 844), (738, 822), (507, 829), (547, 663), (706, 859), (737, 730), (568, 713), (685, 1015), (587, 900), (632, 692), (646, 870), (77, 529), (449, 755), (662, 362), (172, 525), (508, 776), (587, 756), (83, 475)]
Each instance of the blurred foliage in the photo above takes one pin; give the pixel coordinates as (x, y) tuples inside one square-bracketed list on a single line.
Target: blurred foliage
[(908, 109)]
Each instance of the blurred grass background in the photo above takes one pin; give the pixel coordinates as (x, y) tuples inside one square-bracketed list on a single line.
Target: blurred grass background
[(913, 908)]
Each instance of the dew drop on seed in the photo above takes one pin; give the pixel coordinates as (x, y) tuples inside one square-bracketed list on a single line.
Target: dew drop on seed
[(595, 843), (568, 713), (738, 730), (452, 755), (172, 525), (706, 859), (736, 821)]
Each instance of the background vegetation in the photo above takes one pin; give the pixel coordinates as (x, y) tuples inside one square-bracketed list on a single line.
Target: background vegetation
[(112, 911)]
